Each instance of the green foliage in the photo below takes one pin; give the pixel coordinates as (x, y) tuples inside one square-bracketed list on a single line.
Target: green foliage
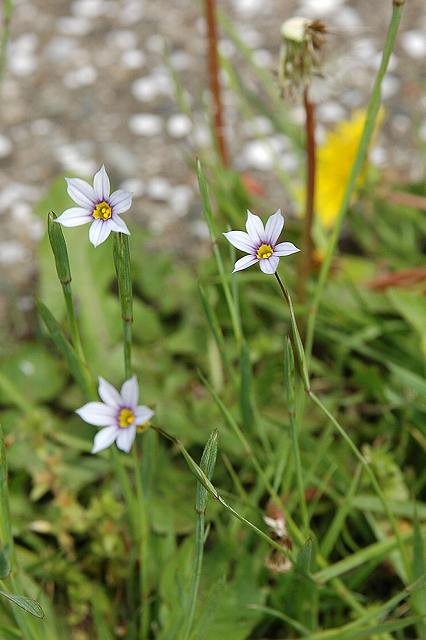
[(102, 556)]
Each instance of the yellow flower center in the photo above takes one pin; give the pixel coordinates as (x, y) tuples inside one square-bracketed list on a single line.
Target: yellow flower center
[(264, 251), (126, 417), (102, 211)]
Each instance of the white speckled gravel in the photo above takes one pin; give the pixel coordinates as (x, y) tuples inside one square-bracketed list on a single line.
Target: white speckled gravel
[(145, 124)]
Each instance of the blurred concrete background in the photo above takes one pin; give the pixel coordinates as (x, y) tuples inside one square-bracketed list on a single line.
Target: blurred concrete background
[(86, 83)]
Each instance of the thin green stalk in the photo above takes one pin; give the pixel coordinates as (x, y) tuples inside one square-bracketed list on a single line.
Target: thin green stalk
[(224, 278), (305, 378), (7, 555), (311, 161), (366, 136), (280, 615), (371, 475), (205, 482), (294, 530), (141, 524), (6, 539), (336, 525), (340, 588), (77, 366), (124, 280), (297, 342), (7, 16), (290, 383), (337, 584), (216, 332), (378, 613), (60, 253), (207, 464), (142, 532)]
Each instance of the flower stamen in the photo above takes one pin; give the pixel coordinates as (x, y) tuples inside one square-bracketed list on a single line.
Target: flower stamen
[(102, 211), (264, 251), (126, 417)]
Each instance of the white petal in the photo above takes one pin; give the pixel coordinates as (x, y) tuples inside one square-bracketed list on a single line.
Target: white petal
[(109, 394), (120, 201), (285, 249), (81, 192), (241, 240), (99, 232), (125, 438), (101, 184), (130, 393), (117, 224), (143, 414), (97, 413), (254, 226), (244, 262), (273, 227), (104, 438), (269, 265), (74, 217)]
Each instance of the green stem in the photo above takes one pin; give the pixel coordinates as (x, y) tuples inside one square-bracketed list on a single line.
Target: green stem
[(8, 564), (141, 525), (307, 244), (63, 270), (367, 133), (297, 342), (205, 482), (294, 530), (74, 330), (371, 475), (6, 538), (142, 533), (208, 461), (224, 276), (290, 384), (342, 432), (124, 280), (338, 585)]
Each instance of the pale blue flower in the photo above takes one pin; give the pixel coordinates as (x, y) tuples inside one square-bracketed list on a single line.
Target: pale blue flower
[(96, 205), (260, 243), (119, 414)]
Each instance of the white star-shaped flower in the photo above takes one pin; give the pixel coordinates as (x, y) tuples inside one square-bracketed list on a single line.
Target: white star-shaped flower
[(119, 414), (96, 205), (260, 243)]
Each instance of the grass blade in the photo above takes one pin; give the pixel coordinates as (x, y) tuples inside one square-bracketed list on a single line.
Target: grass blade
[(207, 464), (77, 367)]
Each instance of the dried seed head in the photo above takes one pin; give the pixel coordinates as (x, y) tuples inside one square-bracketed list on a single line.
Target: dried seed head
[(299, 56), (274, 518)]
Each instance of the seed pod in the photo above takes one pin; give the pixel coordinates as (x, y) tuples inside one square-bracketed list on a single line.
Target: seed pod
[(299, 55)]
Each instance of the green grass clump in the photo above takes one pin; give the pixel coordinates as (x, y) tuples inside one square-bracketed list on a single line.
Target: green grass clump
[(171, 542)]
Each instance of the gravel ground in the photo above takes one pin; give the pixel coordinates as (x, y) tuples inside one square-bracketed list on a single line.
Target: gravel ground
[(87, 83)]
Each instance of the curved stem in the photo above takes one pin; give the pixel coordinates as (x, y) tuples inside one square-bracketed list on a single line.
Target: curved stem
[(367, 133), (307, 243), (371, 475)]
